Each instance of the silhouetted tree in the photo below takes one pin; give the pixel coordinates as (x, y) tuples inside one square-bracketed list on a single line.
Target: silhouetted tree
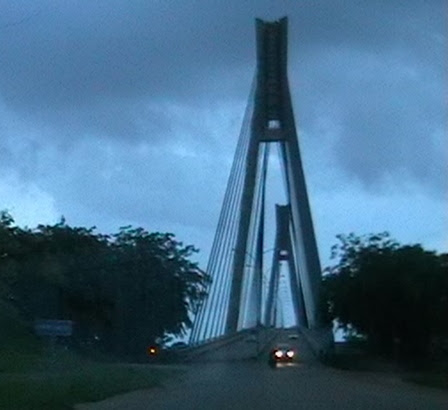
[(397, 295), (156, 286), (124, 290)]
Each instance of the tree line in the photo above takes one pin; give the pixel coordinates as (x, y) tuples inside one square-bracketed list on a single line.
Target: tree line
[(130, 289), (122, 291), (394, 296)]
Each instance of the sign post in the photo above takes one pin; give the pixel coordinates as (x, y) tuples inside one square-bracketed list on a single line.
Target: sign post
[(51, 329)]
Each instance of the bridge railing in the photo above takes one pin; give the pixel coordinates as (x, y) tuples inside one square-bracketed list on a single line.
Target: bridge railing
[(201, 347), (321, 341), (256, 343)]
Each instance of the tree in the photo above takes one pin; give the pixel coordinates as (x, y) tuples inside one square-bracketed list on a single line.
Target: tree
[(156, 286), (124, 290), (394, 294)]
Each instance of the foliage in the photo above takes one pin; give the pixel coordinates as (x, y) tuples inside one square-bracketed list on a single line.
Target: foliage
[(122, 291), (397, 295)]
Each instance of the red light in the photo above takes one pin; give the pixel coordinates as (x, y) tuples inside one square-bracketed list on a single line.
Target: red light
[(152, 350)]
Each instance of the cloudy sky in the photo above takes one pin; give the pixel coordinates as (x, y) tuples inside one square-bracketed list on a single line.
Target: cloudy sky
[(116, 112)]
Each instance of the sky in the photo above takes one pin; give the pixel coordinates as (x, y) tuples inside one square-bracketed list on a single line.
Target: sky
[(115, 112)]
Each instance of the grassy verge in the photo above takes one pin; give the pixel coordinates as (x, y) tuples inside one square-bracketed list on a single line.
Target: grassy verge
[(438, 380), (348, 362), (430, 376), (34, 377), (54, 388)]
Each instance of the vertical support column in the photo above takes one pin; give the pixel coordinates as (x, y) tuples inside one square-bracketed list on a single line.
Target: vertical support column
[(301, 317), (269, 314), (304, 240), (273, 121), (284, 252)]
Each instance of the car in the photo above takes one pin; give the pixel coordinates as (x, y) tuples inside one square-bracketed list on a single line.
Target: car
[(282, 353), (293, 336)]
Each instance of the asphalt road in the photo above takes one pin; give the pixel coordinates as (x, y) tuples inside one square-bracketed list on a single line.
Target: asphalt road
[(253, 385)]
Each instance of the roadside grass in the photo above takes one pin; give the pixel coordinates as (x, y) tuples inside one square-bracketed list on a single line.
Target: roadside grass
[(12, 360), (36, 377), (62, 389), (438, 380), (425, 374), (20, 349), (353, 362), (431, 373)]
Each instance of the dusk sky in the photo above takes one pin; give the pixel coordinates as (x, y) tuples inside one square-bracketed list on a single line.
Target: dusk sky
[(118, 112)]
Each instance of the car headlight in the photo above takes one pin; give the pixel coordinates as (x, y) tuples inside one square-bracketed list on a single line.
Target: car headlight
[(290, 353), (278, 353)]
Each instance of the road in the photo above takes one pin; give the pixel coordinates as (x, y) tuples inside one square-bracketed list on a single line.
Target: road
[(251, 385)]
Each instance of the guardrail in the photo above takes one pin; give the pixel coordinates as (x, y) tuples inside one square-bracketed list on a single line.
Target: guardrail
[(259, 344), (270, 335), (213, 344), (321, 341)]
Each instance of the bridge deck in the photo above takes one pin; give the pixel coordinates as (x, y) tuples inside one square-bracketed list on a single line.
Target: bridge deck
[(247, 345)]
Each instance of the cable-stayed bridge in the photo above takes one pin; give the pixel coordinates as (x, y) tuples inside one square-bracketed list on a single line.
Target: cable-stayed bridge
[(246, 290)]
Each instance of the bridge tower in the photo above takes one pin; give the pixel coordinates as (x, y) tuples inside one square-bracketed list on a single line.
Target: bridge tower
[(236, 259)]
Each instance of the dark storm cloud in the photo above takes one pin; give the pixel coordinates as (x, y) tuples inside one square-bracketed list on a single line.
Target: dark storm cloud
[(369, 71), (78, 54), (139, 183), (385, 118)]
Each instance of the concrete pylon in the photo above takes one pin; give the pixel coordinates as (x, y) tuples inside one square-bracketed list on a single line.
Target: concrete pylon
[(273, 122), (283, 252)]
